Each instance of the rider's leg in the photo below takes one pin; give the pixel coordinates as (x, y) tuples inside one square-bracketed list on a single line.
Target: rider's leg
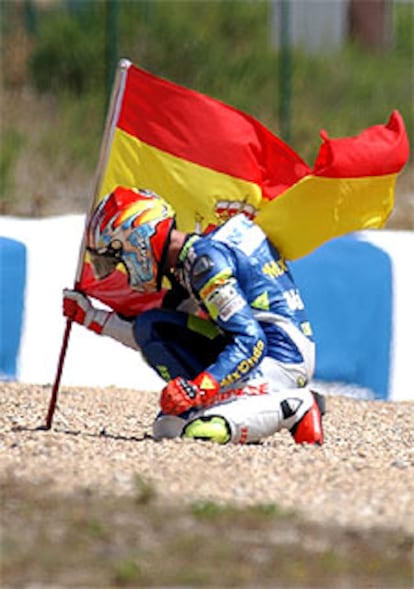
[(249, 419), (255, 415), (177, 344)]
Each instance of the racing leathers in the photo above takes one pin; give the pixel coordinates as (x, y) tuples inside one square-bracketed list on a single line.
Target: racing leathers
[(254, 340), (231, 340)]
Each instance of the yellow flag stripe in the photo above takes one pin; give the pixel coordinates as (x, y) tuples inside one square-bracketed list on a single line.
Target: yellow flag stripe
[(193, 190), (292, 221), (317, 209)]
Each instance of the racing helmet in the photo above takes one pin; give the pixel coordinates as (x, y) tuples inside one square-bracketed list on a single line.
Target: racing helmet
[(132, 227)]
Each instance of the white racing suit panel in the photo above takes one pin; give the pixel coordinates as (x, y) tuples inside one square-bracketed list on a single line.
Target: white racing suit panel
[(282, 375), (121, 331), (251, 417), (258, 413)]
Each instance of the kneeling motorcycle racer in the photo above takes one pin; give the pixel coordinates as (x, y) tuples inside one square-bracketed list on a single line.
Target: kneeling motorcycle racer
[(231, 337)]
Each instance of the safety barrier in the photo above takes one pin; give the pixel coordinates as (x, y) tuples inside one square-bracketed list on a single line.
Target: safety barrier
[(357, 289)]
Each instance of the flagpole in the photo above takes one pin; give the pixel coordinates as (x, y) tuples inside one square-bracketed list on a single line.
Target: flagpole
[(113, 112), (110, 124), (55, 388)]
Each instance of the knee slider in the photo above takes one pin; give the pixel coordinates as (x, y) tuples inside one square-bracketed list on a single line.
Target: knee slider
[(210, 428)]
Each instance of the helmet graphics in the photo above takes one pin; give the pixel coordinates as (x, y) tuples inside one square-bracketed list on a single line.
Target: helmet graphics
[(131, 226)]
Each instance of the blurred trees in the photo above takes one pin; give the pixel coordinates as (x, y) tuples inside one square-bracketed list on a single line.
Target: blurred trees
[(58, 58)]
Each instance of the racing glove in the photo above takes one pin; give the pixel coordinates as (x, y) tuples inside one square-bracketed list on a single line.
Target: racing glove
[(78, 308), (180, 394)]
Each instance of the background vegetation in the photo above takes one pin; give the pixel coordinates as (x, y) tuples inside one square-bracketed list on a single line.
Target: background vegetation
[(85, 540), (57, 65)]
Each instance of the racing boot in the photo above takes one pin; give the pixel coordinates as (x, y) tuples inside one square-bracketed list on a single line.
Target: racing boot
[(308, 430)]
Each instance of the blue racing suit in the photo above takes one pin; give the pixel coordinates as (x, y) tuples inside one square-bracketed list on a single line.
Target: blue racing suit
[(253, 308)]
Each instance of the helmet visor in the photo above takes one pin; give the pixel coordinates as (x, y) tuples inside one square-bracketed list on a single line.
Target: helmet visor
[(103, 263)]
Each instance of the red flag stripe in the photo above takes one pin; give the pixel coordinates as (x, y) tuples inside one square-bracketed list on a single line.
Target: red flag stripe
[(207, 132), (377, 151)]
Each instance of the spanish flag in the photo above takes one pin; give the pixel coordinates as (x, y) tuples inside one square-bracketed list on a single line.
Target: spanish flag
[(211, 161)]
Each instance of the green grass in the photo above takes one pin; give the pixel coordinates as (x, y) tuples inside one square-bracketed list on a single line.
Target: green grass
[(92, 540)]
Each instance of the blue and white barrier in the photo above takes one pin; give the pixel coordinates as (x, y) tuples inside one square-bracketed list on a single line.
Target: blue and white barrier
[(358, 291), (347, 286), (12, 281)]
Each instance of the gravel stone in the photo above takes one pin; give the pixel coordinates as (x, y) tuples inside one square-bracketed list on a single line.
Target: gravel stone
[(363, 476)]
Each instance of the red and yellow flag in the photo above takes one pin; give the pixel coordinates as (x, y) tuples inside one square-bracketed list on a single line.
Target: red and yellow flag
[(350, 188), (211, 161)]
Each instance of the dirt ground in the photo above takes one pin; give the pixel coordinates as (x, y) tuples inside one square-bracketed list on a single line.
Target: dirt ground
[(96, 502)]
